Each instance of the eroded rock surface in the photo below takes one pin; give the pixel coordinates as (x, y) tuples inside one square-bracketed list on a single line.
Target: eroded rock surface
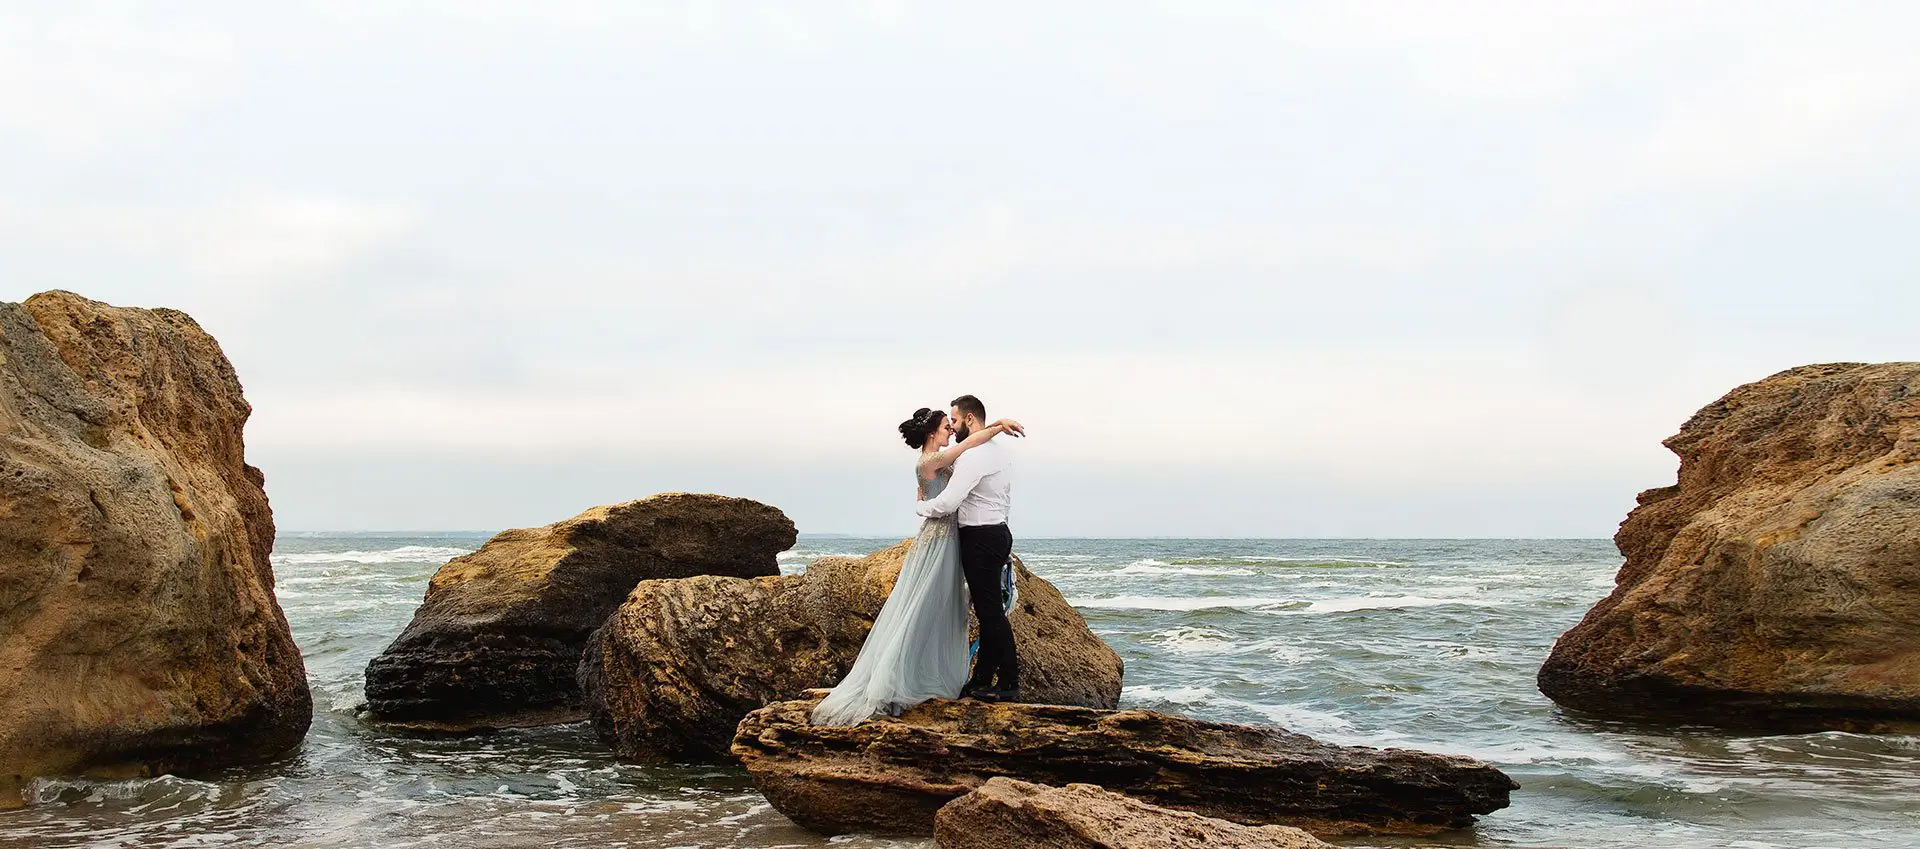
[(136, 594), (1777, 583)]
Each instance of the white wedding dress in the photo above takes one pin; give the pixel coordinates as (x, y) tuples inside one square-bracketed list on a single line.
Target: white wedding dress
[(917, 649)]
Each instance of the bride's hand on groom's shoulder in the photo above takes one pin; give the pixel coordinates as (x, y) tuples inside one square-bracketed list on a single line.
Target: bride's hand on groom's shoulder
[(1012, 427)]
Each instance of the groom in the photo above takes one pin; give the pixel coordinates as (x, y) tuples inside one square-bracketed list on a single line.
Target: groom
[(981, 492)]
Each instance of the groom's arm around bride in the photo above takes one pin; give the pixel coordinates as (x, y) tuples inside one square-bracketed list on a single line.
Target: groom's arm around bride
[(980, 498)]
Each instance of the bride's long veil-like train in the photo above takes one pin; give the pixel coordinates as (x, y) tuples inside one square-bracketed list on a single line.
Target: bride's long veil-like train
[(918, 648)]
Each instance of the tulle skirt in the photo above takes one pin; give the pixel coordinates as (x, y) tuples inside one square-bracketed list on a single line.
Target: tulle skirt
[(917, 649)]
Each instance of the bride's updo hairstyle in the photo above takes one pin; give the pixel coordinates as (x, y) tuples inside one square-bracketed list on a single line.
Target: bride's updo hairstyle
[(924, 422)]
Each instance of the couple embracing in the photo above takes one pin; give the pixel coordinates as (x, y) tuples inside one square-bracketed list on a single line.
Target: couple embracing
[(918, 647)]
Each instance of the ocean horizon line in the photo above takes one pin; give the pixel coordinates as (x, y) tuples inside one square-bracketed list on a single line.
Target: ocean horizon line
[(836, 535)]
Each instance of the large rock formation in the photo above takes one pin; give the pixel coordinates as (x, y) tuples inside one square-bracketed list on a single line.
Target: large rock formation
[(890, 775), (1005, 813), (675, 669), (498, 639), (136, 596), (1778, 583)]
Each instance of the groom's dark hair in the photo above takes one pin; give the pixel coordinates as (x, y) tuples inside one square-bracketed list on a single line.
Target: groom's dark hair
[(969, 404)]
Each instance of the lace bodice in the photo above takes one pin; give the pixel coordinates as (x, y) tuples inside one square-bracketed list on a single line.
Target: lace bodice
[(930, 489)]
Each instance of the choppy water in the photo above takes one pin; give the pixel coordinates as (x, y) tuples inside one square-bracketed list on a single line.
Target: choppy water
[(1428, 644)]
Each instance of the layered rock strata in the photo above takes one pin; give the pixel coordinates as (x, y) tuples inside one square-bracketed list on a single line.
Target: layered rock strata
[(1777, 582)]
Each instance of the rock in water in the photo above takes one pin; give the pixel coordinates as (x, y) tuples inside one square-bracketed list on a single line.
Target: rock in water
[(890, 775), (1005, 813), (498, 639), (1778, 583), (681, 662), (136, 594)]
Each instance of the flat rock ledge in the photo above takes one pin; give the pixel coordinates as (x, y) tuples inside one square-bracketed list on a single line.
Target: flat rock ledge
[(892, 775), (498, 639), (1006, 813)]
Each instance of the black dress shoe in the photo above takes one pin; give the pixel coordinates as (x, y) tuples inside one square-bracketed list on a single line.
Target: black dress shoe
[(1009, 694)]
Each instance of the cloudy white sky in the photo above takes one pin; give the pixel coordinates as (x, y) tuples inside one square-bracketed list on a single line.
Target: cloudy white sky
[(1246, 269)]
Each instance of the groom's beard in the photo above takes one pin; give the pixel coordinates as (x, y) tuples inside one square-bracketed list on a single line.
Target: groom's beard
[(961, 433)]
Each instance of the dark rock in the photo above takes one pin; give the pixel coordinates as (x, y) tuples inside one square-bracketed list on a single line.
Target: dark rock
[(498, 638)]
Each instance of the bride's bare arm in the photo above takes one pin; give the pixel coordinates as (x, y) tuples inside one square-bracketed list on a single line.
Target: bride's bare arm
[(943, 459)]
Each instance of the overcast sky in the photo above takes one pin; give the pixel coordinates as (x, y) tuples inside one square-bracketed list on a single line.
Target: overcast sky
[(1244, 269)]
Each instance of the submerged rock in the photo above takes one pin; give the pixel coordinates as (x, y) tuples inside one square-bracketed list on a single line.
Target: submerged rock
[(1005, 813), (890, 775), (498, 638), (1777, 584), (136, 594), (675, 669)]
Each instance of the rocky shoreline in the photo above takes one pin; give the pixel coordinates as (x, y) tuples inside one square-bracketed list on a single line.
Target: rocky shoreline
[(1772, 585), (134, 522)]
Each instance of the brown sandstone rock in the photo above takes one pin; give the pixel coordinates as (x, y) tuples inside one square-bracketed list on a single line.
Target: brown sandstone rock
[(498, 638), (890, 775), (136, 595), (1778, 582), (681, 662), (1005, 813)]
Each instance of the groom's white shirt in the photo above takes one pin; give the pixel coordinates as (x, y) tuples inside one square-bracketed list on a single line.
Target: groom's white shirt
[(981, 490)]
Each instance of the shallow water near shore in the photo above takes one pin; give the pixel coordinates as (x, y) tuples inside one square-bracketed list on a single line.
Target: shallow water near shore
[(1421, 644)]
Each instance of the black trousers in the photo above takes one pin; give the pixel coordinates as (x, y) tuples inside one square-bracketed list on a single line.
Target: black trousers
[(983, 551)]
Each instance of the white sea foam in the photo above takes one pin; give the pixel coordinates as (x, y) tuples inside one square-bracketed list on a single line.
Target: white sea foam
[(1175, 695), (1187, 603), (809, 556), (1193, 641), (1288, 716), (45, 790), (1290, 655), (403, 554), (1149, 567), (1297, 718), (1351, 605), (1316, 585), (1350, 561), (331, 578), (1528, 752), (1460, 650)]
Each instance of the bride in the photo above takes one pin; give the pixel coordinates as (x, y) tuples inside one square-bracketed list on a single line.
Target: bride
[(917, 649)]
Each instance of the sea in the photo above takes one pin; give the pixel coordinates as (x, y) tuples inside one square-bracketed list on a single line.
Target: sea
[(1427, 644)]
